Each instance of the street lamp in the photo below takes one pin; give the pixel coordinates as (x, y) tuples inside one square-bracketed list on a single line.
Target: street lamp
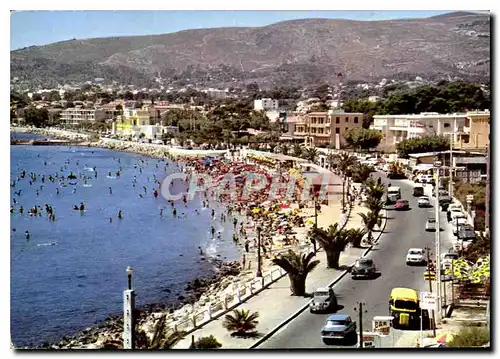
[(129, 271), (259, 269), (437, 165), (128, 313)]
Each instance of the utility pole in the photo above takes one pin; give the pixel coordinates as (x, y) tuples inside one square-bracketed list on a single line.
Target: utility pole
[(429, 277), (259, 270), (360, 313), (438, 164), (450, 167), (488, 189)]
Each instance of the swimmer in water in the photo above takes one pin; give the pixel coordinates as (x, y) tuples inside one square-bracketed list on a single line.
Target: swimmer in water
[(197, 212), (110, 219), (27, 235), (110, 190), (161, 212), (120, 215), (201, 250), (174, 212)]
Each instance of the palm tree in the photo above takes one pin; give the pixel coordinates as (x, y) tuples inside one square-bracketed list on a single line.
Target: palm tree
[(331, 159), (370, 220), (356, 236), (240, 322), (374, 189), (360, 173), (344, 162), (311, 154), (374, 204), (285, 148), (333, 241), (209, 342), (297, 150), (298, 266), (162, 338)]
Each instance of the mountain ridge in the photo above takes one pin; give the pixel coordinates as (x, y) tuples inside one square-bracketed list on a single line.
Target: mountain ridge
[(455, 45)]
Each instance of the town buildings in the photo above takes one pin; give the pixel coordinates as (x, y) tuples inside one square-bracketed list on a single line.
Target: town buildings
[(76, 115), (326, 128), (266, 104), (467, 130)]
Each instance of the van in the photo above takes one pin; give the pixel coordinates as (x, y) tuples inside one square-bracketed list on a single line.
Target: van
[(418, 191), (393, 194)]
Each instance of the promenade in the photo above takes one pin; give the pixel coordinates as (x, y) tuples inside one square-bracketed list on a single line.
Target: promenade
[(275, 304)]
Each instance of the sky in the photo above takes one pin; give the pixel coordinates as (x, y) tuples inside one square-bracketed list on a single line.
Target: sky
[(44, 27)]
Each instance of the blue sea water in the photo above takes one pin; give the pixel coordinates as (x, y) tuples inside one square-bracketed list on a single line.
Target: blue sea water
[(70, 274)]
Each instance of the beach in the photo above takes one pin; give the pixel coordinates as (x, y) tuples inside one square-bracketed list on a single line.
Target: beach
[(239, 271)]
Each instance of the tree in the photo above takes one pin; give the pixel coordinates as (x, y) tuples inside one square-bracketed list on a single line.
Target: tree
[(479, 248), (209, 342), (356, 236), (469, 337), (240, 322), (310, 154), (374, 189), (421, 145), (362, 139), (285, 148), (298, 266), (36, 117), (360, 173), (333, 241), (370, 220), (162, 338), (345, 161), (297, 150)]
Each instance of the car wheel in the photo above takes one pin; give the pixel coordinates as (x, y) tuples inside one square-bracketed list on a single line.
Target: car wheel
[(326, 341)]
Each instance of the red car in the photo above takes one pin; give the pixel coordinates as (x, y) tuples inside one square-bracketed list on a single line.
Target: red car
[(402, 205)]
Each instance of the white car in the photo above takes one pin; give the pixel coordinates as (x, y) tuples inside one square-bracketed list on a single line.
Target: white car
[(430, 224), (424, 201), (457, 214), (415, 256)]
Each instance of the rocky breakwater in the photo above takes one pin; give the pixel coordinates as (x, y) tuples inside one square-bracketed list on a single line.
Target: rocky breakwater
[(198, 292)]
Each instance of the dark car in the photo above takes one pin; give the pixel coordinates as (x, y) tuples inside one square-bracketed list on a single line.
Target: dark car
[(466, 233), (338, 326), (324, 301), (402, 205), (363, 268)]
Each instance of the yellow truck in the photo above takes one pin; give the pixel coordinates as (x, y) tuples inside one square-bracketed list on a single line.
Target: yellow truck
[(404, 307)]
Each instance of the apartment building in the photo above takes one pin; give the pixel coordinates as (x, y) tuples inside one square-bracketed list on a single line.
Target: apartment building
[(76, 115), (265, 104), (476, 131), (396, 128), (326, 128)]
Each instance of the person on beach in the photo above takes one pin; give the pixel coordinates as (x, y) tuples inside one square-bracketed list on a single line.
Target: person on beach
[(212, 230), (247, 246), (201, 250), (213, 213), (120, 215), (235, 222)]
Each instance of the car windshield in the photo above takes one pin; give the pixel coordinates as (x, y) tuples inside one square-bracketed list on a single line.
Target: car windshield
[(424, 198), (431, 220), (404, 304), (451, 256), (321, 294), (415, 252), (362, 264), (336, 322)]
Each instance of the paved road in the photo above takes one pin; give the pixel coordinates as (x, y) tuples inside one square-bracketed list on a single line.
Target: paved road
[(405, 229)]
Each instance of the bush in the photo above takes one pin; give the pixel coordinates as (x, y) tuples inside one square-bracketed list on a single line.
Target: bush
[(471, 337), (209, 342)]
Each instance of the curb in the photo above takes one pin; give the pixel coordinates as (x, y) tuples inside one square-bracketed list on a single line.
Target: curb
[(303, 308)]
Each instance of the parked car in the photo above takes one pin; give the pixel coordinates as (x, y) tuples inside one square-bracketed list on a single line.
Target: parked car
[(324, 301), (423, 201), (457, 213), (363, 268), (418, 191), (338, 326), (430, 224), (401, 205), (447, 258), (457, 222), (415, 256), (467, 233), (158, 142)]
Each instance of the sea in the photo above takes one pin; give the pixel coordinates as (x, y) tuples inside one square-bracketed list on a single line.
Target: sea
[(70, 273)]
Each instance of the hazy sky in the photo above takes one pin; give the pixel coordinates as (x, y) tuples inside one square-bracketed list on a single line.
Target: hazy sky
[(43, 27)]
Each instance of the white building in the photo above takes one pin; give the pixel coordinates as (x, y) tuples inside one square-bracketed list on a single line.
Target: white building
[(266, 104), (397, 128), (77, 115)]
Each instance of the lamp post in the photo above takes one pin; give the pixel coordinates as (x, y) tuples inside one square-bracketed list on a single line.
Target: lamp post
[(437, 165), (259, 269), (128, 313)]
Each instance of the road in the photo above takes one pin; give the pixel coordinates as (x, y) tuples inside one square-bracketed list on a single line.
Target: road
[(405, 229)]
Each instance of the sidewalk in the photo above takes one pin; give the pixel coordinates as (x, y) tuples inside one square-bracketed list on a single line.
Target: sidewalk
[(275, 304)]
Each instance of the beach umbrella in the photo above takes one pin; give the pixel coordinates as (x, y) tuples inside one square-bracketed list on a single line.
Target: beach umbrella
[(256, 210), (444, 338), (309, 221)]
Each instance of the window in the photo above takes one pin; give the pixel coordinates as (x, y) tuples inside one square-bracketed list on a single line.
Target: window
[(446, 125), (337, 120), (355, 120), (347, 119), (337, 130)]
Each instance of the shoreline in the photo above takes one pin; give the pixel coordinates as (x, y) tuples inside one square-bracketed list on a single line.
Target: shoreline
[(198, 290)]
